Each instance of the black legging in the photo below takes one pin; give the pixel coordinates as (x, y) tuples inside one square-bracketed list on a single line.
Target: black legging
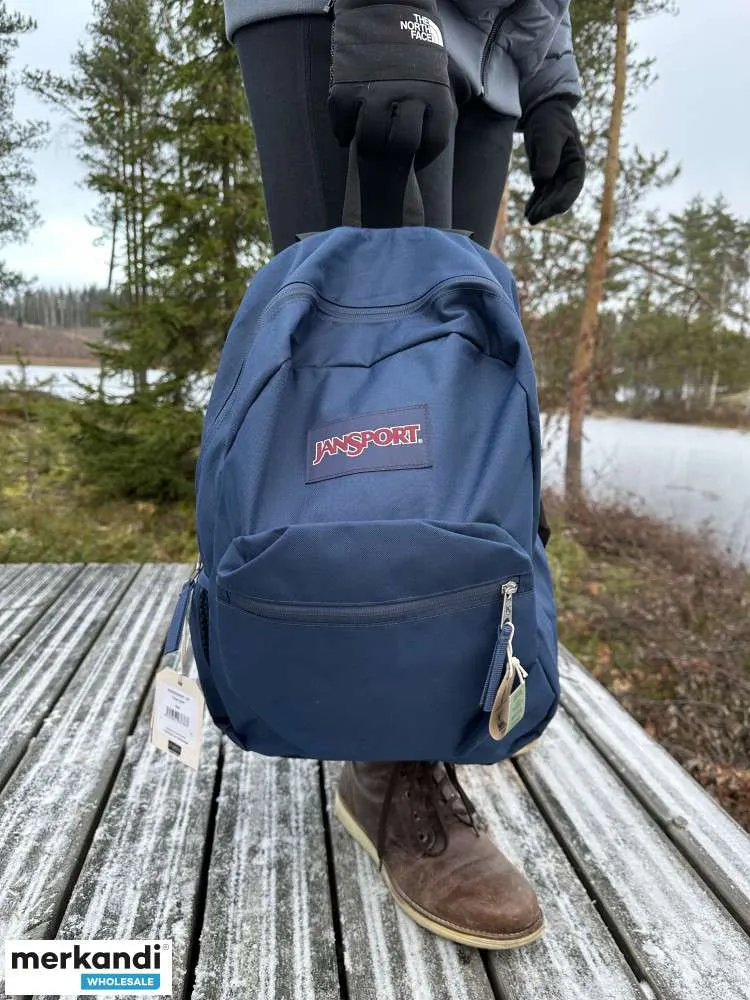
[(285, 66)]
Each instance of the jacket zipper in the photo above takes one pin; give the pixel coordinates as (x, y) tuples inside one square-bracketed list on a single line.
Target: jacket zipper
[(491, 38), (367, 614)]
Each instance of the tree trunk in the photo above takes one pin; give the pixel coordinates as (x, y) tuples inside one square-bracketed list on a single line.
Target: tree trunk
[(113, 246), (584, 356), (713, 389), (501, 223)]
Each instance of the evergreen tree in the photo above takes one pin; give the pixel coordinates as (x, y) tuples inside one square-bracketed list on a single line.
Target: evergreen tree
[(597, 271), (17, 139), (120, 96), (212, 216), (77, 307), (115, 96), (158, 97), (690, 302)]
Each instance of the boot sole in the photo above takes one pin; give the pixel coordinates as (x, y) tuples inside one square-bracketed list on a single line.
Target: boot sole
[(443, 930)]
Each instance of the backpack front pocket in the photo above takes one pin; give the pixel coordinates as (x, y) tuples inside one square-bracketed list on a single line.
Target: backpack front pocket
[(390, 661)]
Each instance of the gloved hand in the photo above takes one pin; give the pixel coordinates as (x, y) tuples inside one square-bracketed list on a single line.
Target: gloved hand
[(389, 80), (557, 159)]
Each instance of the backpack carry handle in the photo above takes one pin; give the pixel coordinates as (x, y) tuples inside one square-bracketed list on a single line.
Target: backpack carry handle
[(381, 193)]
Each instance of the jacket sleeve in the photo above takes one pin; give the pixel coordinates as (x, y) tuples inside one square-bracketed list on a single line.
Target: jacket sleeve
[(555, 75)]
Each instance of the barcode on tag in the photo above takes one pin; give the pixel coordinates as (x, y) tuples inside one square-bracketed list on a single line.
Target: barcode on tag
[(180, 717), (177, 716)]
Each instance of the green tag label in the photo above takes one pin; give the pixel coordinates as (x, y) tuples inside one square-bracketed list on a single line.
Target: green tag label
[(516, 708)]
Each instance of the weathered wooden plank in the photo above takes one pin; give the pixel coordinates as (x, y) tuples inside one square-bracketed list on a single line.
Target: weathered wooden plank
[(9, 570), (682, 939), (35, 672), (387, 956), (52, 799), (140, 878), (25, 595), (717, 846), (267, 929), (576, 958)]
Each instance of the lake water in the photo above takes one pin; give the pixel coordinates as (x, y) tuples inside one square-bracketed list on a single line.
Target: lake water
[(696, 477), (61, 379)]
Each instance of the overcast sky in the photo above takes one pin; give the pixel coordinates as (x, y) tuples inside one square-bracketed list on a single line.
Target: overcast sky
[(698, 109)]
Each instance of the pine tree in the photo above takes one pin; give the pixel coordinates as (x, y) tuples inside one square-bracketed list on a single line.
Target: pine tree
[(17, 139), (79, 307), (212, 222), (584, 356), (120, 94), (598, 267), (158, 97), (115, 96)]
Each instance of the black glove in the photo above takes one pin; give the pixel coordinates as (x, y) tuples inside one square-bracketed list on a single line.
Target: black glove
[(557, 159), (389, 80)]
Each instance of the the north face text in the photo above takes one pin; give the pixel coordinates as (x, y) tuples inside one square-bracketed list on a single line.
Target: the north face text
[(355, 443), (422, 29)]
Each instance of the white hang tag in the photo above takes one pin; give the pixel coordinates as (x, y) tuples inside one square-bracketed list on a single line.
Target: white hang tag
[(510, 705), (177, 716), (517, 702)]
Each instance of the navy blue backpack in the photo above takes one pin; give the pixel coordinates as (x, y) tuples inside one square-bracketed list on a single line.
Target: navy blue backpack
[(373, 582)]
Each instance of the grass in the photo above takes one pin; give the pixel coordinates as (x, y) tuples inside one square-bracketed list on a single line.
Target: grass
[(49, 514), (664, 622)]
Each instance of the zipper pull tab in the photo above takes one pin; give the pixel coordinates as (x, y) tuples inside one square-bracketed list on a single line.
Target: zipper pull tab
[(503, 641), (497, 666), (174, 632)]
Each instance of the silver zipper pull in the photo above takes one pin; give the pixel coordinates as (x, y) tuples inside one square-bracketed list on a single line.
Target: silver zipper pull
[(502, 654), (508, 589)]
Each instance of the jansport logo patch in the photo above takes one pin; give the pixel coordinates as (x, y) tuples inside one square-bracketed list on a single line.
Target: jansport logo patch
[(422, 29), (355, 442), (392, 439)]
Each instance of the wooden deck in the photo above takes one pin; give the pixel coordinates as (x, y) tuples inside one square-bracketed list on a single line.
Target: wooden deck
[(644, 880)]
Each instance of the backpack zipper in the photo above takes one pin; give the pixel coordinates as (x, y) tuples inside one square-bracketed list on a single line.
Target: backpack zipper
[(383, 312), (505, 633), (368, 614), (382, 614), (508, 590), (294, 290), (492, 37)]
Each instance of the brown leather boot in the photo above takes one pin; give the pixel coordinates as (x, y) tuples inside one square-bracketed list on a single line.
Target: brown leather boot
[(442, 870)]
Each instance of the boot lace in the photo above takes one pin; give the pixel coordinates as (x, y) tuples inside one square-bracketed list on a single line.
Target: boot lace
[(429, 783)]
